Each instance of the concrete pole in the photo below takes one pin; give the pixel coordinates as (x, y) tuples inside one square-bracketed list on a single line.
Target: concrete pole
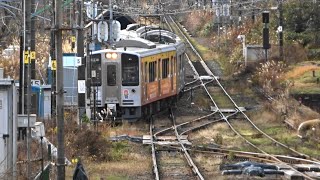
[(27, 7), (21, 75), (80, 53), (59, 92)]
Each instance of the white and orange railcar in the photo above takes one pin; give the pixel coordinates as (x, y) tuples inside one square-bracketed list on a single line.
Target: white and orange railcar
[(139, 77)]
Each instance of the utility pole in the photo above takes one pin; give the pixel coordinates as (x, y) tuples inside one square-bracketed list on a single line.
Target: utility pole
[(59, 92), (80, 53), (21, 75), (280, 29), (27, 25), (27, 37), (53, 66), (28, 113)]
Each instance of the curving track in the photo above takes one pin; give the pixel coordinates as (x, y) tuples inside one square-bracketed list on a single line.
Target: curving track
[(206, 71), (172, 163)]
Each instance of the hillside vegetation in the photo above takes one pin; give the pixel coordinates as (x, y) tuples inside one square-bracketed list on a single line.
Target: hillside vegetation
[(301, 44)]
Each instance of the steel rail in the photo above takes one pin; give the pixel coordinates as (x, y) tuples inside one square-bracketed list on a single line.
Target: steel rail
[(222, 150), (194, 50), (251, 155), (197, 86), (223, 116), (206, 124), (184, 149), (170, 128), (154, 158), (237, 107)]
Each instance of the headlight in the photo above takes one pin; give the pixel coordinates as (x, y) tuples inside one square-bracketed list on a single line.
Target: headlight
[(111, 56)]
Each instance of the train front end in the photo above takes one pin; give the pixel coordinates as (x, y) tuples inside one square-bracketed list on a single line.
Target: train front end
[(121, 85)]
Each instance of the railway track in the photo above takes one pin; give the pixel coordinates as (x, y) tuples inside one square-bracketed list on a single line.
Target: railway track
[(206, 71), (173, 163)]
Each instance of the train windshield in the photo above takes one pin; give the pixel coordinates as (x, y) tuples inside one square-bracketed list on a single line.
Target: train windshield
[(130, 70)]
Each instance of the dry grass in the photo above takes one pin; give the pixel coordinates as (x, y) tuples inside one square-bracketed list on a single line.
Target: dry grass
[(264, 116), (119, 160), (221, 134), (300, 70), (122, 169), (139, 128), (210, 133), (208, 162)]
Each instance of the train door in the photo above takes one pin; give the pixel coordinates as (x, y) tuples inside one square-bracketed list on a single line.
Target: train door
[(112, 84), (145, 89), (174, 73), (179, 71), (171, 72), (142, 81), (159, 76)]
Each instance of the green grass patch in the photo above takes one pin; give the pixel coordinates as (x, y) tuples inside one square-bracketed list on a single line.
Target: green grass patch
[(272, 149), (305, 90), (203, 50), (259, 141), (308, 78), (311, 152), (118, 150), (274, 130), (304, 81), (112, 177), (247, 148), (221, 100)]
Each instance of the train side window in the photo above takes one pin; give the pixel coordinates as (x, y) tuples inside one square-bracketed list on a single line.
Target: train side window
[(174, 65), (165, 68), (171, 66), (159, 69), (145, 72), (155, 71), (111, 75), (180, 62), (152, 71)]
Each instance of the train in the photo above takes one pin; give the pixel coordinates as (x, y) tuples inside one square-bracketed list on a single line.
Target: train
[(137, 77)]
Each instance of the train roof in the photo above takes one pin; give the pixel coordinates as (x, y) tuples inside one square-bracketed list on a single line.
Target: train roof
[(141, 46)]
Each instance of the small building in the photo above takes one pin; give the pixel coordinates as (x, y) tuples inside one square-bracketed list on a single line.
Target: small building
[(254, 53), (8, 129), (70, 79)]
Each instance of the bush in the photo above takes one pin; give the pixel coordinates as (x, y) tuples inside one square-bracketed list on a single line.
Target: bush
[(269, 76), (91, 144), (85, 119), (118, 150), (218, 139), (207, 30)]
